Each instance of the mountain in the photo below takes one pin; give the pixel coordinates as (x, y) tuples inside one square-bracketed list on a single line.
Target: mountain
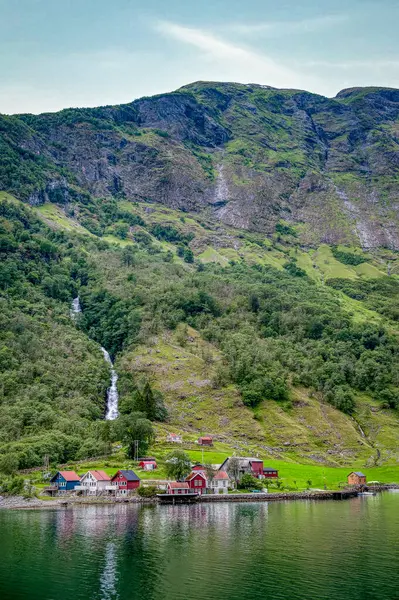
[(250, 156), (233, 246)]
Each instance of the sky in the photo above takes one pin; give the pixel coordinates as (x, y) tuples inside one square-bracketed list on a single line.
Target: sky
[(56, 54)]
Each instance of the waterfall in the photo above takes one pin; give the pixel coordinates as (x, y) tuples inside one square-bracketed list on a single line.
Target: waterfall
[(112, 392), (76, 309)]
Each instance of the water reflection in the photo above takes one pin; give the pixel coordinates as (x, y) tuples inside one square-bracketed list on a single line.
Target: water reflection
[(109, 577), (301, 550)]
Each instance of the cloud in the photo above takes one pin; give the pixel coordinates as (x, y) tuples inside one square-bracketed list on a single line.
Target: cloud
[(284, 28), (225, 60)]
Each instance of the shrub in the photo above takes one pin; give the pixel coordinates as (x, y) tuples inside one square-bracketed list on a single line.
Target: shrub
[(148, 491), (249, 482)]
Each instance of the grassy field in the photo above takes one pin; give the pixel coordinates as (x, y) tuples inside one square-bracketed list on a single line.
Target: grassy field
[(292, 475)]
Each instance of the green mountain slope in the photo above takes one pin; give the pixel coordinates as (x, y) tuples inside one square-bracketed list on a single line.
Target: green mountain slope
[(234, 246), (249, 155)]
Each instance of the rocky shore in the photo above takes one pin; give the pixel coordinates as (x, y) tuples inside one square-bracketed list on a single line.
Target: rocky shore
[(19, 502)]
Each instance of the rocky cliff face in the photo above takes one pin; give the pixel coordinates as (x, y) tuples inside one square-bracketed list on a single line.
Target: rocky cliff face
[(252, 155)]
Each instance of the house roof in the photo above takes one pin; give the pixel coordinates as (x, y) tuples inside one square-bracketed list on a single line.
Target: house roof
[(67, 475), (149, 461), (128, 475), (269, 469), (243, 461), (176, 485), (100, 475), (198, 467), (195, 474), (221, 475), (205, 437), (359, 473)]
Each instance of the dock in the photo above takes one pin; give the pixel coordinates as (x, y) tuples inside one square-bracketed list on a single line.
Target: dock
[(177, 498)]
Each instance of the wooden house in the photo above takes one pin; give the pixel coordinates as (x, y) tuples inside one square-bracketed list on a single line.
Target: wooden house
[(197, 482), (64, 481), (206, 440), (94, 482), (220, 483), (148, 464), (178, 487), (270, 473), (253, 466), (175, 438), (356, 478), (124, 482)]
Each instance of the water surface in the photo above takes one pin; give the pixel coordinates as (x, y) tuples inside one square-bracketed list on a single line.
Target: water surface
[(293, 550)]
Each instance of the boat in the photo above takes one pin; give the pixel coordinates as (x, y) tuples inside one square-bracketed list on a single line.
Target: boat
[(367, 493)]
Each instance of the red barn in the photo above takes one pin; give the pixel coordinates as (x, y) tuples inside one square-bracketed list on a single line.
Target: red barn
[(205, 441), (197, 482), (178, 487), (270, 473), (125, 482)]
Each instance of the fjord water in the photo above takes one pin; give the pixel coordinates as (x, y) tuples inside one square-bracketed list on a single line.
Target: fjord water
[(293, 551)]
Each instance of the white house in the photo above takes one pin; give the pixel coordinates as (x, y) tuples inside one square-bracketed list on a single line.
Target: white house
[(220, 483), (94, 482), (175, 438)]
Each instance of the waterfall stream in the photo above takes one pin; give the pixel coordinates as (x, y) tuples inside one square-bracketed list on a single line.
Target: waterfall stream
[(112, 392)]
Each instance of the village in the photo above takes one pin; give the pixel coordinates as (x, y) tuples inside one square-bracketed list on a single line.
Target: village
[(236, 474)]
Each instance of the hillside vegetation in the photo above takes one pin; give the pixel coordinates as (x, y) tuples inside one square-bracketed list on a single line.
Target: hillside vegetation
[(235, 250), (253, 350)]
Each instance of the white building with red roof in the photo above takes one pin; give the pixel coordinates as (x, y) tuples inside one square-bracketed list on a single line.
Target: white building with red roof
[(175, 438), (94, 482), (220, 483)]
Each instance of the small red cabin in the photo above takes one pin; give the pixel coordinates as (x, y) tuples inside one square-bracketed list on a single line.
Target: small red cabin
[(205, 441), (197, 482), (148, 464), (125, 481), (178, 487), (270, 473)]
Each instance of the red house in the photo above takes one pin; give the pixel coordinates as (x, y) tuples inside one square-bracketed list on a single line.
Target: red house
[(178, 487), (205, 441), (125, 482), (198, 467), (197, 482), (148, 464), (270, 473)]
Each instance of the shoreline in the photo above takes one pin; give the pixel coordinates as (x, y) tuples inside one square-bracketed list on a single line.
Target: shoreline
[(20, 503)]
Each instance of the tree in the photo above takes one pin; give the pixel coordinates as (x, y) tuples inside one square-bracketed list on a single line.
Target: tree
[(147, 401), (210, 472), (136, 432), (178, 464), (9, 464), (128, 257), (188, 255), (233, 468)]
